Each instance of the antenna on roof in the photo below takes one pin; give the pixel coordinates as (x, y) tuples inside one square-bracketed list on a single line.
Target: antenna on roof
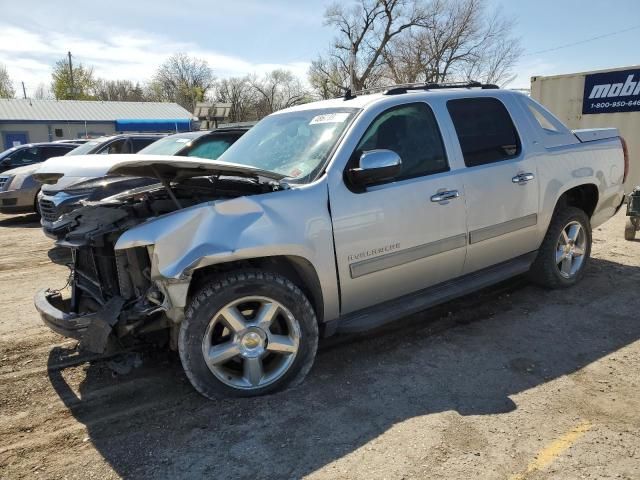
[(348, 95), (349, 92)]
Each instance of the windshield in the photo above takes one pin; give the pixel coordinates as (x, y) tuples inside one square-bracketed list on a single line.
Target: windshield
[(295, 144), (85, 148), (169, 145)]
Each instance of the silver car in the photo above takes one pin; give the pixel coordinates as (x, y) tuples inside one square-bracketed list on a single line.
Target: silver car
[(18, 188), (334, 216)]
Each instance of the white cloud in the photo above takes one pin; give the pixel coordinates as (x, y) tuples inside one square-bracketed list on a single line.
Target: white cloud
[(29, 55)]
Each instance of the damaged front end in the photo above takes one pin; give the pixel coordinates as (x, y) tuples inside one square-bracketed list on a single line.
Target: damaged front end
[(112, 295), (116, 296)]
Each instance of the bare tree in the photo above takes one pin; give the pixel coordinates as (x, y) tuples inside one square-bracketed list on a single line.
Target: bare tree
[(42, 92), (464, 41), (278, 89), (119, 90), (363, 33), (239, 92), (327, 77), (416, 41), (6, 85), (182, 79), (495, 63)]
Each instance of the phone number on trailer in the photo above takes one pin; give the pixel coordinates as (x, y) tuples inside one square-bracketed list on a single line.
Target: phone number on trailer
[(630, 103)]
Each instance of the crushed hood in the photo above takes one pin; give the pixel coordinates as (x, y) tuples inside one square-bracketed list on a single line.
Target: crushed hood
[(163, 167), (78, 166), (179, 168)]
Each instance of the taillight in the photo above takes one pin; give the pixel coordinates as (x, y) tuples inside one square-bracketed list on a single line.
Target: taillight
[(625, 152)]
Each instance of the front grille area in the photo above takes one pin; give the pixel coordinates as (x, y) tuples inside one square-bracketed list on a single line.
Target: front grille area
[(95, 276), (48, 210), (4, 182), (99, 274)]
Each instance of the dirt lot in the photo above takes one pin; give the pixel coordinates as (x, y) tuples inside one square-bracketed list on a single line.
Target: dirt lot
[(515, 382)]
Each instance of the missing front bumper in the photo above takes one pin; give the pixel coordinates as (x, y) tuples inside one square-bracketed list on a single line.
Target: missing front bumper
[(92, 330)]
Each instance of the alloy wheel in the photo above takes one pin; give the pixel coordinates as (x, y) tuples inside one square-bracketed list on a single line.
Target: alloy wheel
[(251, 342), (570, 249)]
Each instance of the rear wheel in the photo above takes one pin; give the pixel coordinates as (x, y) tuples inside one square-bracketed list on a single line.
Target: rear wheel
[(629, 229), (565, 250), (248, 333)]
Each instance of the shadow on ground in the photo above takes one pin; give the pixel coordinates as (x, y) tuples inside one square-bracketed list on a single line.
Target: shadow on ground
[(29, 221), (468, 356)]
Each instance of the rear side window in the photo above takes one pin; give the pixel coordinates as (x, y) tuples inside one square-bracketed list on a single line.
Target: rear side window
[(544, 123), (412, 132), (140, 143), (210, 148), (485, 130), (48, 152)]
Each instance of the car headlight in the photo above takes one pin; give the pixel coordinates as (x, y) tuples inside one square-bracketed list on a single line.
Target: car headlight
[(17, 181)]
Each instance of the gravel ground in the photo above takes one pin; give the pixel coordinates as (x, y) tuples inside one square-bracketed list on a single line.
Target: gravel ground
[(513, 382)]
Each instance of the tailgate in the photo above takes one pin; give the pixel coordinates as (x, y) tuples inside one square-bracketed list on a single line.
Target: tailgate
[(593, 134)]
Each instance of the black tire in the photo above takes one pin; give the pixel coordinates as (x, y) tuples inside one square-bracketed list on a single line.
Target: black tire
[(224, 289), (629, 230), (36, 205), (545, 271)]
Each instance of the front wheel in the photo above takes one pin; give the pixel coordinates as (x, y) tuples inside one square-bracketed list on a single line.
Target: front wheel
[(247, 333), (565, 250), (36, 205)]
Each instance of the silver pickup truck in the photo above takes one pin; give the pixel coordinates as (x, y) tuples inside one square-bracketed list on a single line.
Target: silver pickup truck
[(334, 216)]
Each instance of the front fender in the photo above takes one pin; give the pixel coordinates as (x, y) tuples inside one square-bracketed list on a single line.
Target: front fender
[(293, 222)]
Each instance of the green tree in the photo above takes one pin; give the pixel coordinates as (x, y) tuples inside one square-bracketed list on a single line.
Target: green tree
[(6, 85), (84, 83)]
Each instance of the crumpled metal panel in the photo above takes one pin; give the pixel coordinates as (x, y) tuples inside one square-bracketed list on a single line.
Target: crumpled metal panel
[(292, 222)]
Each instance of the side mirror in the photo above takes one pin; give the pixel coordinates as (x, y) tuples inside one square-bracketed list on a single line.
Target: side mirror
[(375, 166)]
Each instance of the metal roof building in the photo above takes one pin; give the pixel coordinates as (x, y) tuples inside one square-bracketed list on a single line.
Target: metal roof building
[(28, 120)]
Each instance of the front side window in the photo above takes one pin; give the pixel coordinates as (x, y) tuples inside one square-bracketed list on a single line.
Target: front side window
[(485, 130), (296, 144), (116, 147), (23, 156), (410, 131)]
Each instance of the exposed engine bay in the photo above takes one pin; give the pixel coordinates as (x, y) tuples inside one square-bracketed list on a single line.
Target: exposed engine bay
[(113, 289)]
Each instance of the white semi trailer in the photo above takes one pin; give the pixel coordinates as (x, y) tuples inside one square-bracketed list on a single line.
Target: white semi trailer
[(597, 99)]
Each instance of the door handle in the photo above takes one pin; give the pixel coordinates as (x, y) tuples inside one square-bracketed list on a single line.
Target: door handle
[(446, 195), (523, 178)]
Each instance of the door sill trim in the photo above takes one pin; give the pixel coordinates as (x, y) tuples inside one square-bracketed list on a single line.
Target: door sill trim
[(380, 314)]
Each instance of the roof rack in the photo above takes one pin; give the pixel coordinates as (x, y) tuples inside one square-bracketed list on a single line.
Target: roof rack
[(404, 88)]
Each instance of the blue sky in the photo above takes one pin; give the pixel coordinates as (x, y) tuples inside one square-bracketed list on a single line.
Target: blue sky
[(130, 38)]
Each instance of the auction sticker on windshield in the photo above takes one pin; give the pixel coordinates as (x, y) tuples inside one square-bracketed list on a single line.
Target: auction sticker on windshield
[(337, 117)]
